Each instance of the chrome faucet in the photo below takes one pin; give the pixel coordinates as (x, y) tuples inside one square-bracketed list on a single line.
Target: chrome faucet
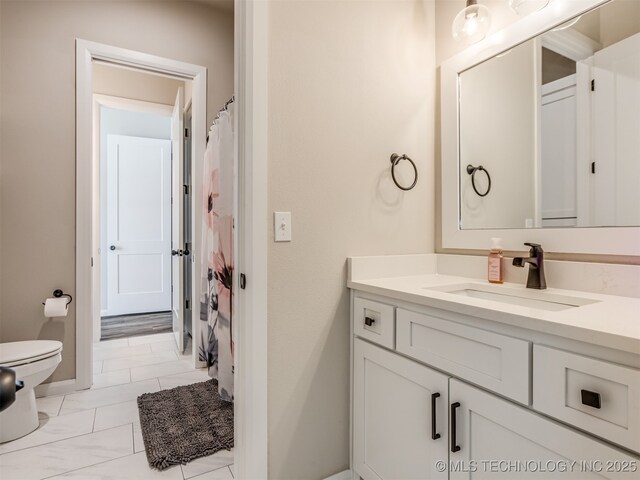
[(536, 266)]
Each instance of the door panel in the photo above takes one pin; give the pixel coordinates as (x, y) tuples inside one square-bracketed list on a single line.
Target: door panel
[(138, 225), (177, 227), (393, 418), (500, 440), (558, 155), (140, 273), (187, 231), (616, 133)]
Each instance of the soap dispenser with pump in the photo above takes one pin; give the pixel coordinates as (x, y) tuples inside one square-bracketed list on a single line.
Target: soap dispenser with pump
[(495, 273)]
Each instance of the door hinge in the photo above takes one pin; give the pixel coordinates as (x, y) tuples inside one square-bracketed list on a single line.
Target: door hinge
[(92, 261), (186, 189), (187, 304), (186, 133), (593, 85), (593, 167), (243, 281)]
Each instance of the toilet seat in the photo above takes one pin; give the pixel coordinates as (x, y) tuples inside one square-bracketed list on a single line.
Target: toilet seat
[(14, 354)]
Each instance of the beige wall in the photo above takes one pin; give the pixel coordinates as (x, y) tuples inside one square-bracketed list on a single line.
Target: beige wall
[(619, 20), (126, 83), (611, 23), (37, 193), (350, 82), (498, 101), (2, 120)]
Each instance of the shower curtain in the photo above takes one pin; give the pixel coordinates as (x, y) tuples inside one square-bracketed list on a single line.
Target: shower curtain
[(216, 294)]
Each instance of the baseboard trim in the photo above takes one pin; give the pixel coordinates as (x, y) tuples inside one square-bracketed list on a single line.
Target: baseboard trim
[(344, 475), (56, 388)]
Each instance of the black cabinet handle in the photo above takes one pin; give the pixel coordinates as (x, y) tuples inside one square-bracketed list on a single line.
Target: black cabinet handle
[(454, 447), (591, 399), (112, 247), (434, 435), (368, 321)]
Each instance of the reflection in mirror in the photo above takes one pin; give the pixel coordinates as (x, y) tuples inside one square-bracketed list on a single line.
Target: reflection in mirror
[(556, 123)]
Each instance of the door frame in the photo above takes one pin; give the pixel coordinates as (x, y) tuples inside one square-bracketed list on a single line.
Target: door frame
[(251, 239), (251, 122), (109, 101), (87, 174)]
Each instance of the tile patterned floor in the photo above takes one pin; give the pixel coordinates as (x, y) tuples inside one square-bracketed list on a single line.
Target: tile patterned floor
[(95, 434)]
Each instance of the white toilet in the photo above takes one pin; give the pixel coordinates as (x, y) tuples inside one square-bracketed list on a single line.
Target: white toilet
[(33, 361)]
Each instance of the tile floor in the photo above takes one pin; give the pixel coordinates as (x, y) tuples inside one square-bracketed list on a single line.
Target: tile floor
[(95, 434)]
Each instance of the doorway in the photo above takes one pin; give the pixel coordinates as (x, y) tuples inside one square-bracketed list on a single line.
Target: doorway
[(149, 286), (251, 147), (140, 151)]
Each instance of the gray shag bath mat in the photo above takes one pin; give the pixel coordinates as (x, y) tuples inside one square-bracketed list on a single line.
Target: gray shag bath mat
[(185, 423)]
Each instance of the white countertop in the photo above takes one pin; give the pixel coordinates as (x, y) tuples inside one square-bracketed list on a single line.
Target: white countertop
[(611, 321)]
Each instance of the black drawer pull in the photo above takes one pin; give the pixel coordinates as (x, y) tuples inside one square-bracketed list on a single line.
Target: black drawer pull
[(368, 321), (454, 447), (591, 399), (434, 435)]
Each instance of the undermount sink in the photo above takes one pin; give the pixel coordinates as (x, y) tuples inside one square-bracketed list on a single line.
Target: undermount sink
[(530, 298)]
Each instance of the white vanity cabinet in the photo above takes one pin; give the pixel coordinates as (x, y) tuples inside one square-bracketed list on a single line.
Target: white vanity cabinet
[(495, 438), (451, 396), (399, 416)]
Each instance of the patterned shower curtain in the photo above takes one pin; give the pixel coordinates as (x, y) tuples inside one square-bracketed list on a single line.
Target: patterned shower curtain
[(216, 305)]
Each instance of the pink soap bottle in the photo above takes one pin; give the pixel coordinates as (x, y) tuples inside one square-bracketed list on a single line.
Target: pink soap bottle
[(495, 273)]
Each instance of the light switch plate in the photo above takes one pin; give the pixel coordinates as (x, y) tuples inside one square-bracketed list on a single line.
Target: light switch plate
[(282, 226)]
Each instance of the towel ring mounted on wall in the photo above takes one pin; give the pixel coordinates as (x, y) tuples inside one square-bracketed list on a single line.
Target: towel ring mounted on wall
[(471, 170), (395, 159)]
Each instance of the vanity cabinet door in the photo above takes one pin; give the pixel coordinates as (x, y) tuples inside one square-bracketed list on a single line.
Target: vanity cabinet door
[(393, 421), (496, 439)]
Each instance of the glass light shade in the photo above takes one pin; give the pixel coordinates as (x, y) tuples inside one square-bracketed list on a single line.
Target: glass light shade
[(471, 24), (525, 7)]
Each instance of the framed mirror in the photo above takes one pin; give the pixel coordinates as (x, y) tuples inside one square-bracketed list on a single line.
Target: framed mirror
[(541, 133)]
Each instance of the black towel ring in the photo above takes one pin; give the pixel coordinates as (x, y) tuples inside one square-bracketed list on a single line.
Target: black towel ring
[(471, 170), (395, 159)]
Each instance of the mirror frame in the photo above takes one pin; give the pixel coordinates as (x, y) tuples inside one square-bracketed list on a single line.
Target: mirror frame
[(583, 240)]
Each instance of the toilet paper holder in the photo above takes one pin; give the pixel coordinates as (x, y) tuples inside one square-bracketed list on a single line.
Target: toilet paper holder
[(57, 293)]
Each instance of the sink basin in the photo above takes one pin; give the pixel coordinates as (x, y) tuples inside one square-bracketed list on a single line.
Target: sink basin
[(538, 299)]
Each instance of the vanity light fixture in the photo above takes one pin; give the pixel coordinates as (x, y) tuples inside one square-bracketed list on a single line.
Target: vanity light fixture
[(472, 23), (525, 7)]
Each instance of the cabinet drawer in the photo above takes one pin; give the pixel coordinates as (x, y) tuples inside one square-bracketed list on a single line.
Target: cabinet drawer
[(374, 321), (596, 396), (493, 361)]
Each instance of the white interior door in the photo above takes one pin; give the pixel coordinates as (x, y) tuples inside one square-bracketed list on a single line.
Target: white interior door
[(177, 230), (616, 133), (558, 153), (138, 224)]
